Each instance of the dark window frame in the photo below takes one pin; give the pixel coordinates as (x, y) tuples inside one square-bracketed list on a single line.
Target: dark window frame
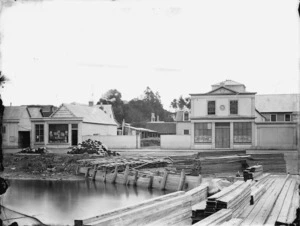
[(275, 118), (211, 107), (203, 132), (234, 107), (186, 116), (39, 133), (186, 132), (290, 119)]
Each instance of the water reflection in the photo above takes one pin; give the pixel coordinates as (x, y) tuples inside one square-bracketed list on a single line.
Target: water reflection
[(60, 202)]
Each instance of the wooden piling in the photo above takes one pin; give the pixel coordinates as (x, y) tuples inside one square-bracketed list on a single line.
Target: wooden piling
[(77, 170), (115, 175), (126, 173), (136, 173), (150, 182), (87, 173), (182, 180), (164, 180), (94, 172)]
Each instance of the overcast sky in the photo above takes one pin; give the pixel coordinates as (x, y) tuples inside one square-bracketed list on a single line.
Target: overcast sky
[(63, 51)]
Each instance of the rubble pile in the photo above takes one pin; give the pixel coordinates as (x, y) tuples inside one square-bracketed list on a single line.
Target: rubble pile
[(41, 150), (93, 147)]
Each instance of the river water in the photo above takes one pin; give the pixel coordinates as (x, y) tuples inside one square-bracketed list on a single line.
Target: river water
[(61, 202)]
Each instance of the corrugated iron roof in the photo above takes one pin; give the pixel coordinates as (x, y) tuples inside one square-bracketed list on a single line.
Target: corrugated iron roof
[(277, 102)]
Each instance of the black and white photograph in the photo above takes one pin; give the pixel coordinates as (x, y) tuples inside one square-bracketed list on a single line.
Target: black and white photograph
[(149, 112)]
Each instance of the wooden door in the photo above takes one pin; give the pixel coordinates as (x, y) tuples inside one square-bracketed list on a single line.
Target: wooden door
[(222, 132)]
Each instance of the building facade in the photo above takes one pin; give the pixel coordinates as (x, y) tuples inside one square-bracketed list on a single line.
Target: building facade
[(223, 118)]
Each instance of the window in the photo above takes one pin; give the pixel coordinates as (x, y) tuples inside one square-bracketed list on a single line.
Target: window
[(39, 133), (233, 107), (273, 118), (242, 132), (287, 118), (203, 133), (211, 107), (186, 132), (3, 129), (58, 133), (186, 116)]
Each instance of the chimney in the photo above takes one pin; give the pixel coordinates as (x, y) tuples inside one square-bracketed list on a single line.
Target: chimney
[(152, 117), (91, 103)]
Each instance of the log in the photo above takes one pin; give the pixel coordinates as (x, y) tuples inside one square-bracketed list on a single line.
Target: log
[(181, 181), (164, 180)]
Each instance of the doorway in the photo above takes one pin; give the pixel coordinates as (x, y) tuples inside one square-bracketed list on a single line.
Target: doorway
[(24, 139), (222, 134)]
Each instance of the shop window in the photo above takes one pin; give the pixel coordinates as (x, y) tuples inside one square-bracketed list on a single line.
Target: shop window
[(39, 133), (233, 107), (273, 118), (203, 133), (242, 132), (186, 132), (186, 116), (211, 107), (287, 118), (58, 133)]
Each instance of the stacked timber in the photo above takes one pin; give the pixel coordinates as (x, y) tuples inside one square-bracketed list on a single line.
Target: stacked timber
[(273, 163), (252, 172), (189, 163), (216, 218), (172, 209), (257, 192), (225, 164), (198, 211), (211, 204)]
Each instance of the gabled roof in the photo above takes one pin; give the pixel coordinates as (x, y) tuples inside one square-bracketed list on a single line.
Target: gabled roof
[(89, 114), (162, 127), (277, 103), (222, 90), (14, 112)]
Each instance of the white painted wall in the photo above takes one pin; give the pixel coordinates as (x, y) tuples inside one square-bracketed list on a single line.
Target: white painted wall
[(175, 142), (91, 129), (116, 142), (11, 136), (276, 135), (245, 105), (181, 126)]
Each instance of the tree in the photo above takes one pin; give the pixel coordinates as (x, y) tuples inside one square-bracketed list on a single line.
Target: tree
[(114, 97), (180, 103), (3, 79)]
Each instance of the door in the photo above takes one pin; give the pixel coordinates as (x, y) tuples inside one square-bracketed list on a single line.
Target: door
[(222, 134), (74, 137), (24, 139)]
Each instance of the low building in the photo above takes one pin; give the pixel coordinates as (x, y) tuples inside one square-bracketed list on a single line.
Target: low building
[(183, 122), (162, 128), (70, 122), (129, 130)]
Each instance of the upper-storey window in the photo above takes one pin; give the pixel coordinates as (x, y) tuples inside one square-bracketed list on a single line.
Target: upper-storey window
[(211, 107), (233, 107), (186, 116), (287, 118), (273, 118)]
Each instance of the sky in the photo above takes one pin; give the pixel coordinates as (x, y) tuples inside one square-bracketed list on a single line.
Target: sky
[(63, 51)]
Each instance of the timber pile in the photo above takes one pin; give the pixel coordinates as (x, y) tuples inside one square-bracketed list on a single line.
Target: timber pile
[(189, 163), (171, 209), (252, 172), (273, 163), (224, 164), (216, 218)]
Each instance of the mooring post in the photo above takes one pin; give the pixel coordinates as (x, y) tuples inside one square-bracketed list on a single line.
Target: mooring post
[(87, 173), (181, 181), (136, 173), (95, 172), (150, 182), (115, 175), (126, 173), (164, 180)]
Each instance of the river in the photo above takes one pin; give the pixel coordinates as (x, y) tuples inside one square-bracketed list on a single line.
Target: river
[(61, 202)]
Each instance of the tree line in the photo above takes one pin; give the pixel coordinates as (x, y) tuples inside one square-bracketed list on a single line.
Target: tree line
[(138, 110)]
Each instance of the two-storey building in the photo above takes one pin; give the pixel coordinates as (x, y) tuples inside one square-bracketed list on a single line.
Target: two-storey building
[(223, 117)]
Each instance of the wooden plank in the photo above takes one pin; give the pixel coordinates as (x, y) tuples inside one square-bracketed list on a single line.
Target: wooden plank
[(164, 180), (181, 181), (292, 215), (192, 181), (283, 215), (123, 210), (147, 214), (278, 205), (217, 218), (199, 193), (226, 190), (257, 192), (232, 222)]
